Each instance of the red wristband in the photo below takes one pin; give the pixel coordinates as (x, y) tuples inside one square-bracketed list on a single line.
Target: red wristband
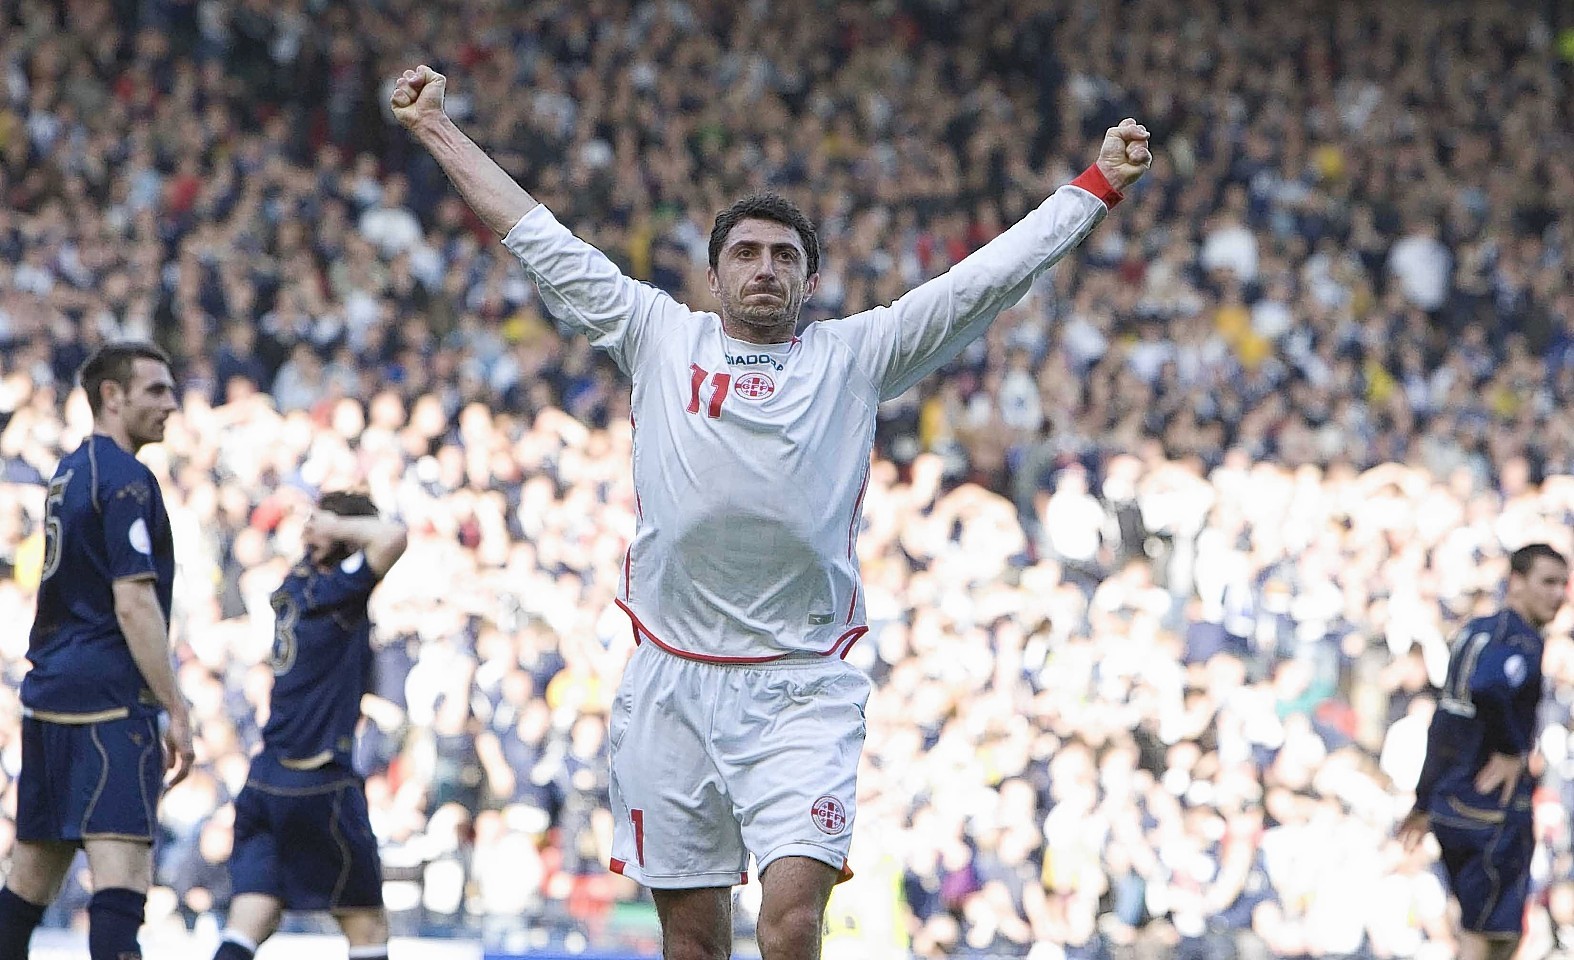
[(1093, 181)]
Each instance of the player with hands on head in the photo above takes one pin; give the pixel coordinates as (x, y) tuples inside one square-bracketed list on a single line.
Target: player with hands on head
[(738, 725), (1473, 793), (93, 757), (303, 832)]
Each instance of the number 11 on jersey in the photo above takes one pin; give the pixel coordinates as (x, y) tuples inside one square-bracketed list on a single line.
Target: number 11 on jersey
[(720, 383)]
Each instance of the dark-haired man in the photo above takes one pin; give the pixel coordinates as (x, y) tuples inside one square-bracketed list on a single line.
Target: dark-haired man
[(92, 762), (303, 835), (738, 725), (1473, 793)]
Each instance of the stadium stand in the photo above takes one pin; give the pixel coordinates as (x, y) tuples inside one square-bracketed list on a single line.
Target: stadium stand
[(1160, 569)]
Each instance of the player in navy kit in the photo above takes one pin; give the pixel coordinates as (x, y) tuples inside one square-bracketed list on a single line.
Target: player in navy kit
[(92, 762), (1473, 794), (303, 838)]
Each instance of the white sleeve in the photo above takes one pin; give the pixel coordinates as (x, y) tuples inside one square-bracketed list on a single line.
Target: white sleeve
[(901, 344), (587, 291)]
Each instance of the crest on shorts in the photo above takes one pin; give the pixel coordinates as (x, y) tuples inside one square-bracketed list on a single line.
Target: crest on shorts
[(829, 815), (754, 386)]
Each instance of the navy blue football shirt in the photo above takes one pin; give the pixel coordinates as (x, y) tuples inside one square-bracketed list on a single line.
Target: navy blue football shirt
[(104, 521), (321, 660), (1488, 705)]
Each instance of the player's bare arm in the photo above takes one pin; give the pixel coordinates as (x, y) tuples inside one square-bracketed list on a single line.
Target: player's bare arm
[(417, 102), (382, 541), (142, 622)]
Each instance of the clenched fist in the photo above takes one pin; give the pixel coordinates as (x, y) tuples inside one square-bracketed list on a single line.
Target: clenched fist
[(1124, 156), (418, 96)]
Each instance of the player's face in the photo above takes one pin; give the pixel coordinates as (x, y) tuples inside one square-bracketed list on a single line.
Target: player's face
[(761, 277), (1544, 589), (149, 400)]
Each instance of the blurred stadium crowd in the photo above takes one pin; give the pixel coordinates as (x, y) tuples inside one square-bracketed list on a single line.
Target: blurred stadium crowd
[(1159, 571)]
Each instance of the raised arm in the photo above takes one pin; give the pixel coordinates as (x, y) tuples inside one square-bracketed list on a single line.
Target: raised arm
[(904, 342), (494, 195), (578, 283), (381, 541)]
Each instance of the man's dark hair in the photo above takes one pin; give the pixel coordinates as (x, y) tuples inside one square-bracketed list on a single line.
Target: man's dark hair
[(344, 503), (113, 363), (1521, 561), (766, 206), (347, 503)]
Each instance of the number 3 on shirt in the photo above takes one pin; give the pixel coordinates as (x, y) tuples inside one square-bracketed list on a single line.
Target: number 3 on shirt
[(53, 530), (719, 382)]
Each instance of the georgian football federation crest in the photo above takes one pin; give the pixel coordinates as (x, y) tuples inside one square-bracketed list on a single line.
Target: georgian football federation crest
[(829, 815), (754, 386)]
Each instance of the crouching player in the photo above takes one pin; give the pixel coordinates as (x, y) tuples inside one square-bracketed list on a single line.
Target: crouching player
[(303, 838)]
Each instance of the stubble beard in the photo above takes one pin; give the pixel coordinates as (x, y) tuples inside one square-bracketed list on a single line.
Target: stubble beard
[(761, 319)]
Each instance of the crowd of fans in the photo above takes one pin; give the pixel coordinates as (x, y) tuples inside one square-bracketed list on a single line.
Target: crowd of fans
[(1159, 571)]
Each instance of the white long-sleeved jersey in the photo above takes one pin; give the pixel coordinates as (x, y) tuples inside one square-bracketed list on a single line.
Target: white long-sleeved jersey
[(751, 460)]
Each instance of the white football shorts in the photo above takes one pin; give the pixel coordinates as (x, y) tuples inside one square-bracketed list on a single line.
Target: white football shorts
[(711, 762)]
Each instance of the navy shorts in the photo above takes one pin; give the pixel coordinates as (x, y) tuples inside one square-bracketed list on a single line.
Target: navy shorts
[(89, 781), (1488, 867), (304, 837)]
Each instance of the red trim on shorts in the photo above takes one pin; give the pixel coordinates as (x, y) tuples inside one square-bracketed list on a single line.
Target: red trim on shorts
[(852, 525), (642, 632), (638, 816), (1093, 181), (620, 867)]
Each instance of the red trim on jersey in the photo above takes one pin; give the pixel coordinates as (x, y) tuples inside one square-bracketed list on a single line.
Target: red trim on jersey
[(639, 507), (852, 605), (852, 525), (857, 635), (640, 628), (642, 631), (854, 633), (628, 563), (1093, 181)]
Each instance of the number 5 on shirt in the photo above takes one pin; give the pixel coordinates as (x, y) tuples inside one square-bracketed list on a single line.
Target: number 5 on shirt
[(53, 530)]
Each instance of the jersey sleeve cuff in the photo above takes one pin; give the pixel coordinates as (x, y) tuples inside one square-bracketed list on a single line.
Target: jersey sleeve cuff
[(537, 222), (1093, 181)]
